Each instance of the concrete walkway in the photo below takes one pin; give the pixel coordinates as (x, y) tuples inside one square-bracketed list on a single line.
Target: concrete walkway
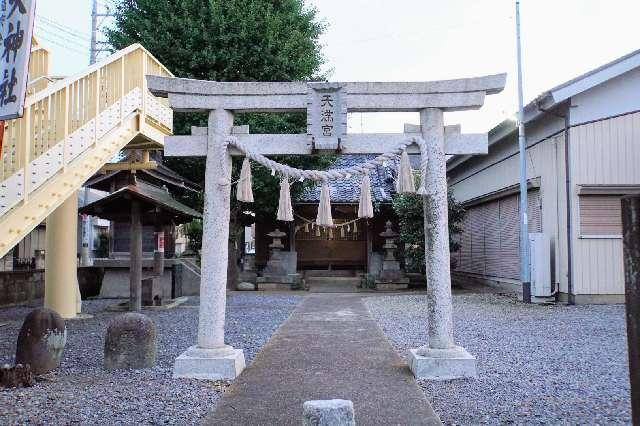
[(330, 347)]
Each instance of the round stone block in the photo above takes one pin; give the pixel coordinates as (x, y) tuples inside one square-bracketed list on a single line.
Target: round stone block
[(41, 341), (130, 342)]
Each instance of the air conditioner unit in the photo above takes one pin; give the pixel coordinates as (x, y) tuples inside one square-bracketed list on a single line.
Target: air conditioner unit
[(540, 267)]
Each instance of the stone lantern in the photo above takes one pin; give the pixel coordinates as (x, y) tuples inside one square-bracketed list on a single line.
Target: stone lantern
[(275, 275), (392, 277), (274, 265)]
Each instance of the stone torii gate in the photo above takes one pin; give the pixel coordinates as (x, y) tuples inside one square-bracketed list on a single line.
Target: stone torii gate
[(211, 358)]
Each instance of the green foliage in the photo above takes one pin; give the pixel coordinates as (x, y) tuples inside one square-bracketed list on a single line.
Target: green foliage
[(230, 40), (408, 208), (193, 231)]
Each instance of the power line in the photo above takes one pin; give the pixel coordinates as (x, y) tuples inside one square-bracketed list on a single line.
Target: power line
[(52, 33), (60, 44), (49, 33), (71, 31)]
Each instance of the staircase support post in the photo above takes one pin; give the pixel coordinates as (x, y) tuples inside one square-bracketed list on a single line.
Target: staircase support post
[(61, 273), (135, 265)]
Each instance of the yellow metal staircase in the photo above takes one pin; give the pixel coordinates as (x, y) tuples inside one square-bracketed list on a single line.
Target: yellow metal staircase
[(70, 129)]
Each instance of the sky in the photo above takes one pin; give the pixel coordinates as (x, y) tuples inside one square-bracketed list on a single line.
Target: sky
[(423, 40)]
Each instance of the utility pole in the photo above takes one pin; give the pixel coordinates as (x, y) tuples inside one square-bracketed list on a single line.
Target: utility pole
[(93, 52), (95, 27), (525, 274)]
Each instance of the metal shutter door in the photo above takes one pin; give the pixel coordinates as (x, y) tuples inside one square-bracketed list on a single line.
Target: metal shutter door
[(600, 215), (464, 253), (509, 238), (477, 240), (492, 238)]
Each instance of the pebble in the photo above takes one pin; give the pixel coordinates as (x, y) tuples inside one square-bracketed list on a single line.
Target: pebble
[(552, 364), (81, 391)]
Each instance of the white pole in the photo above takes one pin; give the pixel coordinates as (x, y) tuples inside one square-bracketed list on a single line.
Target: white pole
[(524, 227)]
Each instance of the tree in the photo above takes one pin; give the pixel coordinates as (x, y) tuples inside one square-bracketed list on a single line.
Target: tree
[(408, 208), (230, 40)]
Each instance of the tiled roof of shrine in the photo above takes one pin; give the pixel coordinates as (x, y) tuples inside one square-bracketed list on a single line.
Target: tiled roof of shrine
[(348, 190)]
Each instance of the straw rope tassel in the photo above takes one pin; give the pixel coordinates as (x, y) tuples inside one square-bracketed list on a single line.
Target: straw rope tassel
[(324, 208), (365, 207), (244, 191), (405, 175), (285, 210)]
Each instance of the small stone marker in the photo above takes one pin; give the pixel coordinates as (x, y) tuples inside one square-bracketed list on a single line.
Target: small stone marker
[(130, 342), (41, 340), (16, 376), (332, 412)]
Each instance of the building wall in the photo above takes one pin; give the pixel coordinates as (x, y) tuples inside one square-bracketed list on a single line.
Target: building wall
[(620, 93), (500, 170), (604, 152)]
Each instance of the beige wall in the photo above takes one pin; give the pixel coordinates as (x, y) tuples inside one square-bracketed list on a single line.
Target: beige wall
[(603, 153)]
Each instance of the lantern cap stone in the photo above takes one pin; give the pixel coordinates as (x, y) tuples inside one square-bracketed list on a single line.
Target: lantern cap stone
[(388, 232)]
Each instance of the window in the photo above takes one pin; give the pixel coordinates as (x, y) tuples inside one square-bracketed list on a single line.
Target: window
[(600, 216)]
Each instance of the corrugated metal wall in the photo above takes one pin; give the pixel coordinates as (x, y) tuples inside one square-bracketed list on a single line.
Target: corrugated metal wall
[(603, 153)]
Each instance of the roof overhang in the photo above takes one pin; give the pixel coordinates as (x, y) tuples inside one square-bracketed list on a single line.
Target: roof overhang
[(556, 96)]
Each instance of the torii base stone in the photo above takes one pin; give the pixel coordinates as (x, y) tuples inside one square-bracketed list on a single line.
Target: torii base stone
[(209, 364), (442, 364)]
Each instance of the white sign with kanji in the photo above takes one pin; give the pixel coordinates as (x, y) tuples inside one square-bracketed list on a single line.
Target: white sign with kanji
[(16, 22)]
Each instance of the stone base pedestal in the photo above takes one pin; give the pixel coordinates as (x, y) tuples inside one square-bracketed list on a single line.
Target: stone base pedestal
[(209, 364), (279, 282), (442, 364), (398, 284)]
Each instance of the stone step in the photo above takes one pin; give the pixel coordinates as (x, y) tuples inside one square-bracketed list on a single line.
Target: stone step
[(333, 284), (332, 273), (333, 280)]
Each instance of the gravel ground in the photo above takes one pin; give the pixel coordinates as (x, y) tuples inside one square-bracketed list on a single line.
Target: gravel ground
[(536, 364), (82, 392)]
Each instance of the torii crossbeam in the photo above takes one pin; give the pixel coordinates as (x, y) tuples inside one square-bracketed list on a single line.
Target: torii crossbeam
[(327, 105)]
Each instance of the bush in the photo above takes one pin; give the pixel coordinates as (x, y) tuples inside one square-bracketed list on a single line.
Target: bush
[(193, 231), (408, 208)]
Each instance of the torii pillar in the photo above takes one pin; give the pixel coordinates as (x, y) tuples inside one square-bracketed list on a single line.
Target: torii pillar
[(440, 358), (211, 358)]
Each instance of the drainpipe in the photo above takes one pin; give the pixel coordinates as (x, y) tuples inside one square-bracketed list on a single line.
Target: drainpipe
[(567, 174)]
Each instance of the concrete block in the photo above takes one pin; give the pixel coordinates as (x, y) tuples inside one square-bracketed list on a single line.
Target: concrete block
[(436, 364), (209, 364), (333, 412)]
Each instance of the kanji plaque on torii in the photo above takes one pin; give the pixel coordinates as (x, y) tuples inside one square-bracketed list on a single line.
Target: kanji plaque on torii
[(326, 115)]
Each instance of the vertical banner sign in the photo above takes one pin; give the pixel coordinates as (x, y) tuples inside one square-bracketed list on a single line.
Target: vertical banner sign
[(326, 115), (16, 20), (160, 241)]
